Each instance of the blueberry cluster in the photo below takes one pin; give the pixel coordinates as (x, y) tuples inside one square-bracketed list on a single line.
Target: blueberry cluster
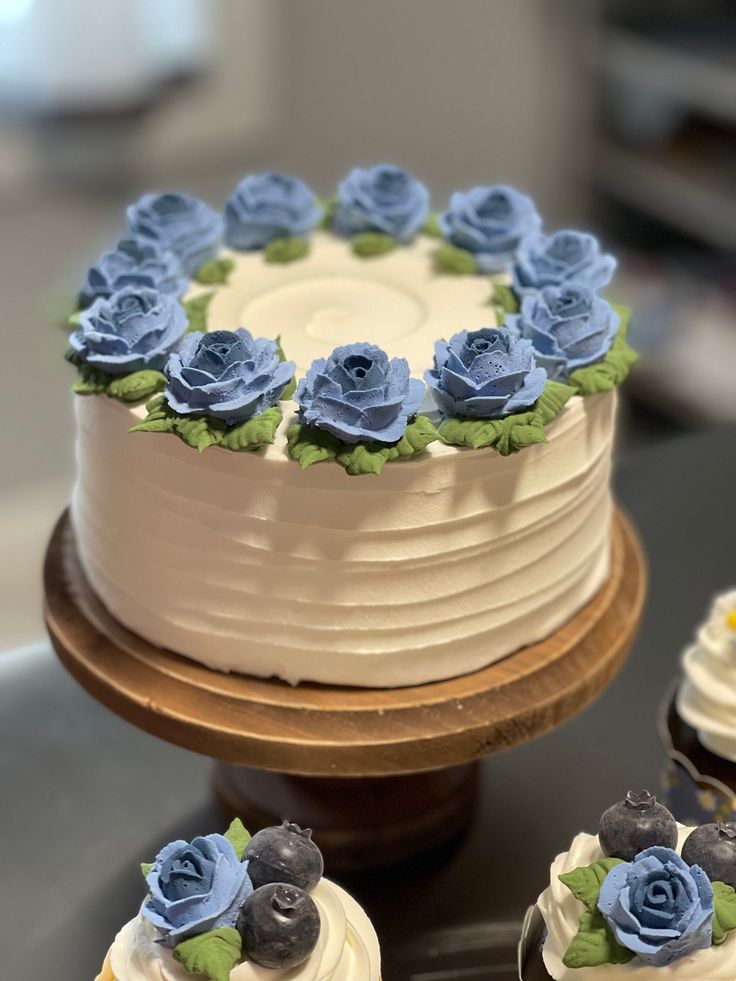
[(639, 822), (279, 922)]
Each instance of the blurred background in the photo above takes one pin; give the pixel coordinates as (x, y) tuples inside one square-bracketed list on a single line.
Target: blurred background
[(615, 116)]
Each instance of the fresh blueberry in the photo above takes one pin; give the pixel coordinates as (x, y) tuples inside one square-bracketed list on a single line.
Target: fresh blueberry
[(713, 848), (279, 924), (635, 823), (284, 854)]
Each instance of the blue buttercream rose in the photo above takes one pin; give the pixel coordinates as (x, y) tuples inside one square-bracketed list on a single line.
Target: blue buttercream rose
[(381, 199), (227, 375), (568, 325), (484, 374), (182, 224), (358, 393), (490, 222), (564, 257), (267, 206), (131, 330), (658, 906), (134, 262), (195, 887)]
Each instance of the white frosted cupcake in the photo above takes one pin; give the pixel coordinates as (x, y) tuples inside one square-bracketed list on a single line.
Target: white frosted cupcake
[(707, 697), (645, 899), (234, 908)]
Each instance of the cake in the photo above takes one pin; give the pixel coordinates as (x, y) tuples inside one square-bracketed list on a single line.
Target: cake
[(348, 441), (645, 899), (235, 908), (699, 721)]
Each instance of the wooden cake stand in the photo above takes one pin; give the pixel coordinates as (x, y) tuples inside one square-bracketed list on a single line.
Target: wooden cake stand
[(395, 768)]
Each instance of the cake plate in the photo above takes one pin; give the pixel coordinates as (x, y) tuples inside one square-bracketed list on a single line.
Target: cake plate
[(380, 774)]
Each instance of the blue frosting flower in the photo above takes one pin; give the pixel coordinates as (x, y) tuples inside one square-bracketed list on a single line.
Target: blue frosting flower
[(267, 206), (359, 394), (195, 888), (381, 199), (227, 375), (134, 262), (658, 906), (182, 224), (568, 325), (490, 222), (484, 374), (130, 330), (563, 257)]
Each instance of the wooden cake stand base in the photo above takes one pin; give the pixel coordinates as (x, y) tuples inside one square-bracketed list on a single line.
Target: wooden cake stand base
[(320, 739)]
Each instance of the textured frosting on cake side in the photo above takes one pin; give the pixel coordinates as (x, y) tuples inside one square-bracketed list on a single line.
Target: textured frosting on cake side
[(561, 912), (707, 698), (347, 949), (439, 567)]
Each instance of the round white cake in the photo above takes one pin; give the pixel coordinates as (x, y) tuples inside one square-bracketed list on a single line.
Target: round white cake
[(440, 566)]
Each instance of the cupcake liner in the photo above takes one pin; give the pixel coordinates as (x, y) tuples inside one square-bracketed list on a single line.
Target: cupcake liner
[(533, 932), (700, 787)]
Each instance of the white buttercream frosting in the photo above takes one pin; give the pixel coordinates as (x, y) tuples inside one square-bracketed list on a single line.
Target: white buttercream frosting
[(347, 948), (438, 567), (562, 911), (707, 698)]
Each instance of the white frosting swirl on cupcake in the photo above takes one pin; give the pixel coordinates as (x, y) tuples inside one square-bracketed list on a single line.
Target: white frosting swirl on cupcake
[(347, 948), (562, 911), (707, 697)]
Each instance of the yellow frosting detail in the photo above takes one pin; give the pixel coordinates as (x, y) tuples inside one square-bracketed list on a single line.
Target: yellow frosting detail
[(731, 619)]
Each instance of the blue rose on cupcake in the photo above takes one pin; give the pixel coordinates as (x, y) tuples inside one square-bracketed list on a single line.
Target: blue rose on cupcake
[(490, 222), (563, 257), (658, 906), (195, 887), (134, 262), (132, 330), (569, 326), (383, 199), (485, 374), (227, 375), (264, 207), (359, 394), (182, 224)]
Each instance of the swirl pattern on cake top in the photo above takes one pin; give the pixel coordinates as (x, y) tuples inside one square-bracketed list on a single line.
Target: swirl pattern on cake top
[(707, 698)]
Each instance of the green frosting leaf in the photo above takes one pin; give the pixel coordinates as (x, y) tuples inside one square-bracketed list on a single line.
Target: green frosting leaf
[(585, 882), (457, 262), (146, 868), (253, 433), (514, 432), (288, 392), (432, 226), (214, 272), (504, 300), (196, 310), (369, 244), (612, 370), (724, 911), (309, 445), (137, 386), (329, 206), (213, 954), (201, 432), (286, 249), (594, 944), (90, 381), (72, 321), (238, 836)]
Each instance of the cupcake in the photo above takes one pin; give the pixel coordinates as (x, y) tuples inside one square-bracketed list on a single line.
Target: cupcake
[(235, 908), (645, 899), (699, 721)]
